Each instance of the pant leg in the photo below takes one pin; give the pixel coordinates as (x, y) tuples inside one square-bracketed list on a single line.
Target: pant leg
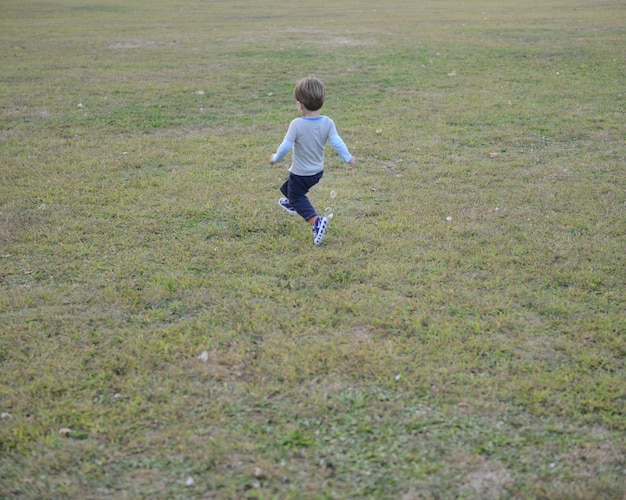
[(297, 188)]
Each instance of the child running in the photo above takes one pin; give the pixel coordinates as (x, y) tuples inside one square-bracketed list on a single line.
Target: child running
[(307, 136)]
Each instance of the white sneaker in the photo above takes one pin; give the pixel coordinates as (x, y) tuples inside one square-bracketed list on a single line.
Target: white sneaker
[(319, 230), (284, 202)]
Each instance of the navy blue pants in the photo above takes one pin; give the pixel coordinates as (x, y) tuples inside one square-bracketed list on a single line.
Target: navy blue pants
[(295, 189)]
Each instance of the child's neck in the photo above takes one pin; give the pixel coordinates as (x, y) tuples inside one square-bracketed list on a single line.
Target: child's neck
[(310, 114)]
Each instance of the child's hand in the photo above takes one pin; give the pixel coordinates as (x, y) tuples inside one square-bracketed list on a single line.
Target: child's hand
[(272, 162), (352, 162)]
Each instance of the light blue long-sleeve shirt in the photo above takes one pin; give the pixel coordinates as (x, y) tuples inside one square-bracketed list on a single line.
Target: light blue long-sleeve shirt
[(308, 137)]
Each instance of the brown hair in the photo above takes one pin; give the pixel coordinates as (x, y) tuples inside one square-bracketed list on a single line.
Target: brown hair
[(310, 92)]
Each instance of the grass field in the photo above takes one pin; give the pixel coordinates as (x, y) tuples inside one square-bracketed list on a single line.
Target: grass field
[(167, 331)]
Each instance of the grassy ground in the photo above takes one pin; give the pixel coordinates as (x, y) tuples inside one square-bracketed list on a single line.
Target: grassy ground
[(167, 331)]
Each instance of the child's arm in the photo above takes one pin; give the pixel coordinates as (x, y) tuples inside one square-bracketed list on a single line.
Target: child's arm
[(340, 147), (282, 150)]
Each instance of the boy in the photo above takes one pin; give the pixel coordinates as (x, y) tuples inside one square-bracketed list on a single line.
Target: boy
[(308, 136)]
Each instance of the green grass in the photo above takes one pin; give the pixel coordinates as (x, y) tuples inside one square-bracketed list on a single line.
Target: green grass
[(161, 318)]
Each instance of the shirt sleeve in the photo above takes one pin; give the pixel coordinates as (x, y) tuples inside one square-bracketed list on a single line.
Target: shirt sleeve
[(340, 147), (287, 144), (282, 150)]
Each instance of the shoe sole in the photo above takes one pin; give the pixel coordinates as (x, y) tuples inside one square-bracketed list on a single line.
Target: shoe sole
[(319, 237)]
